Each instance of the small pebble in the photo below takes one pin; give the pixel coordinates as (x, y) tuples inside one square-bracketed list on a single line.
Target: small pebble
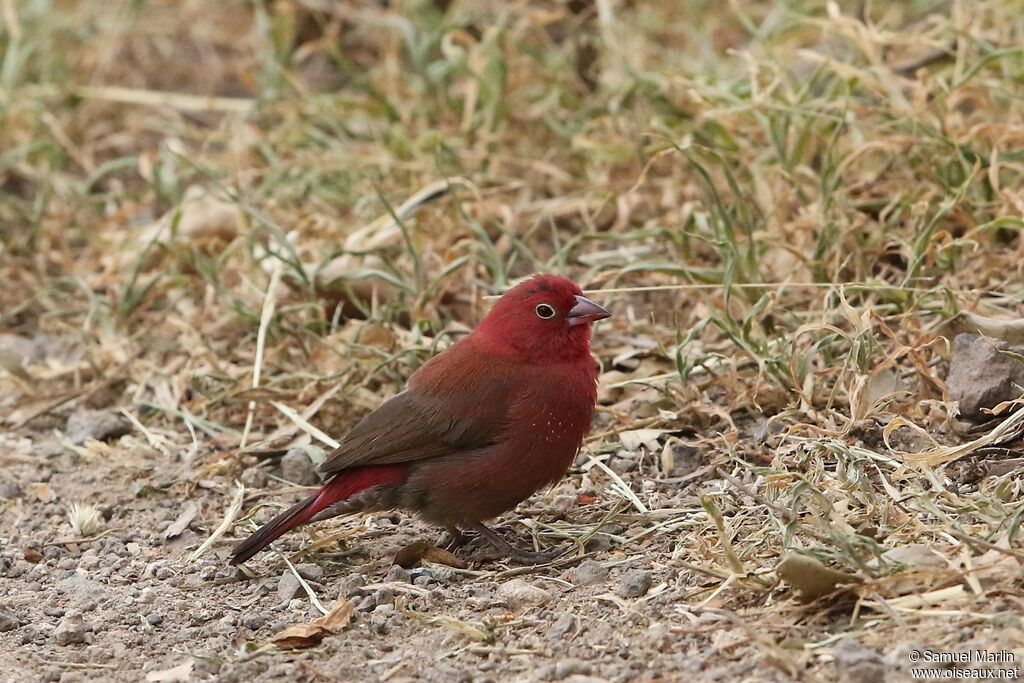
[(288, 587), (856, 663), (519, 594), (297, 468), (588, 573), (71, 630), (254, 620), (101, 425), (310, 571), (635, 584), (563, 626), (154, 618), (384, 596), (352, 585), (8, 619), (10, 489), (397, 575)]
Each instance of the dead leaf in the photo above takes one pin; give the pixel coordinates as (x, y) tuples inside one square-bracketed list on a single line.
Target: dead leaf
[(201, 217), (183, 520), (634, 438), (994, 566), (812, 578), (178, 674), (42, 491), (411, 554), (301, 636), (12, 363), (915, 555)]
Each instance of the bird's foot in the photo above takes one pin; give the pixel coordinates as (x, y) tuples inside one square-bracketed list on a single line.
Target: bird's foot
[(503, 549), (454, 538)]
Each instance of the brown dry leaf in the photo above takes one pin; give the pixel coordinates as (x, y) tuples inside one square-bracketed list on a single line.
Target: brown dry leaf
[(201, 217), (302, 636), (12, 363), (183, 520), (994, 566), (354, 283), (42, 491), (811, 577), (421, 550), (177, 674)]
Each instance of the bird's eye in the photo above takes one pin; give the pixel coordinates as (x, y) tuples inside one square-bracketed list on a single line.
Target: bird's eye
[(544, 311)]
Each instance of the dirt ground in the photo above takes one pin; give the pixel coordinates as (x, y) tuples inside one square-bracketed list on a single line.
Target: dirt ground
[(229, 230), (143, 607)]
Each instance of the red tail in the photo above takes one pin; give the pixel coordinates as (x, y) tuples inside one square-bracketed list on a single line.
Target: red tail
[(344, 485)]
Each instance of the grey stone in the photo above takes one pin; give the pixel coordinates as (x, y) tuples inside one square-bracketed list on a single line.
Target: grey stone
[(10, 489), (981, 376), (310, 571), (397, 575), (564, 624), (351, 585), (599, 542), (571, 667), (71, 630), (102, 425), (856, 663), (681, 460), (8, 619), (635, 584), (288, 587), (588, 573), (622, 464), (519, 594), (383, 596), (297, 468), (254, 620)]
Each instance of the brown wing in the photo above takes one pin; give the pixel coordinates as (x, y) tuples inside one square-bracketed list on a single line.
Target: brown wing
[(445, 409)]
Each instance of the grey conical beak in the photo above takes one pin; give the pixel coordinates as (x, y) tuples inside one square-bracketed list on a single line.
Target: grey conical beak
[(586, 311)]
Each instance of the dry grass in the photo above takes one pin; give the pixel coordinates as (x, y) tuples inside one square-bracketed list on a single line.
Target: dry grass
[(787, 204)]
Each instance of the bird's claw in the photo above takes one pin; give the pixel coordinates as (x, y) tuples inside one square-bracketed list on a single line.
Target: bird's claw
[(455, 538), (529, 558), (502, 549)]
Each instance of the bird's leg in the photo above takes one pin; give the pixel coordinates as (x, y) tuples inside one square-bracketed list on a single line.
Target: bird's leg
[(510, 551), (453, 539)]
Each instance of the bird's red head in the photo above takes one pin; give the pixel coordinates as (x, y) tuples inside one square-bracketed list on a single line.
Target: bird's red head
[(545, 319)]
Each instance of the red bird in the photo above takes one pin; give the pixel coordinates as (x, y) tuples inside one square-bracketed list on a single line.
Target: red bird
[(477, 430)]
